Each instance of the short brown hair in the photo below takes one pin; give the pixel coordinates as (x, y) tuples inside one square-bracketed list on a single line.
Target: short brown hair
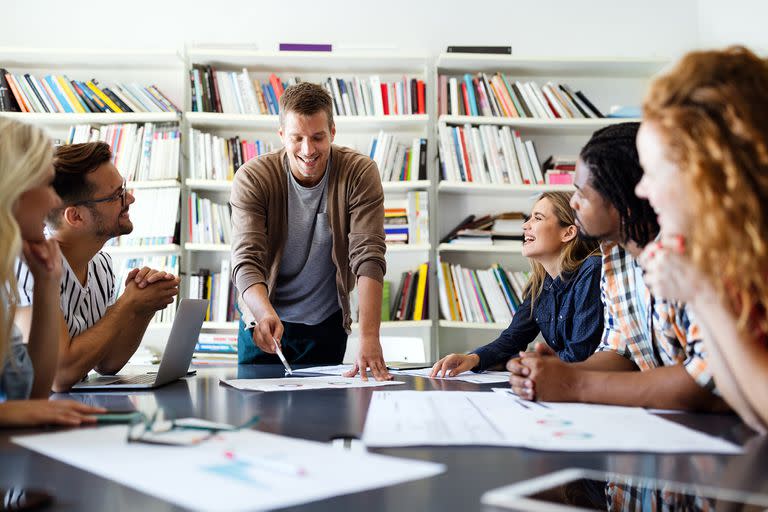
[(72, 163), (306, 99)]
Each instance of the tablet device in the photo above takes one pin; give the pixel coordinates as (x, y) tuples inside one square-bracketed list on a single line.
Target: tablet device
[(404, 365), (581, 489)]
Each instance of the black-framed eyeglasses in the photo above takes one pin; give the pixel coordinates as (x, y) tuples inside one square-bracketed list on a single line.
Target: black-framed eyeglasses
[(120, 194)]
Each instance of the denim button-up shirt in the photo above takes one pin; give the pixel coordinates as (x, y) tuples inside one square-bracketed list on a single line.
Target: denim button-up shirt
[(568, 313)]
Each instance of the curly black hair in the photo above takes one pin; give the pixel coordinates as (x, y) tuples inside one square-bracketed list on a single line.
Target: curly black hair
[(614, 167)]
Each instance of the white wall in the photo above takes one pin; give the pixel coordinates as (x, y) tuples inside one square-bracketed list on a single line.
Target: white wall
[(733, 22), (533, 28)]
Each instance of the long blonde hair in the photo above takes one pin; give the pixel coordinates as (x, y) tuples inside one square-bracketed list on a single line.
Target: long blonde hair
[(25, 156), (711, 110), (572, 255)]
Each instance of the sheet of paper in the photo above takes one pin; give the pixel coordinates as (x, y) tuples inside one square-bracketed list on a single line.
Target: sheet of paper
[(305, 383), (429, 418), (235, 471), (475, 378), (336, 369)]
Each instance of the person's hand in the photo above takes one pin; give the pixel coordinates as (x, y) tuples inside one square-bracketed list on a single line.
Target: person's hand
[(35, 413), (454, 364), (668, 272), (370, 356), (267, 332), (549, 379), (520, 372), (44, 260), (146, 276), (147, 301)]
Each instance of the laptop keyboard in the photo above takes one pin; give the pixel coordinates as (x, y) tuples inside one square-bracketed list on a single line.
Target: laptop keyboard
[(136, 379)]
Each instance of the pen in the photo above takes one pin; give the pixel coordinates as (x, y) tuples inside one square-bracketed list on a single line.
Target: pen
[(282, 357)]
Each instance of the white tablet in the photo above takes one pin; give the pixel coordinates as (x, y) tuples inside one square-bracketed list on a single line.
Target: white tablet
[(582, 489)]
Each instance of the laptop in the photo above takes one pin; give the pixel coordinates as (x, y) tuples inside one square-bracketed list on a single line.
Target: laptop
[(176, 358)]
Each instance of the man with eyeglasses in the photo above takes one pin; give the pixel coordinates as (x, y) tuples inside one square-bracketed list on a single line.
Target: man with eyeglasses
[(97, 330)]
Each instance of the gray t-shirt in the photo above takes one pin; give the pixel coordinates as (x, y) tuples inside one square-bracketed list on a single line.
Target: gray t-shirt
[(17, 373), (305, 291)]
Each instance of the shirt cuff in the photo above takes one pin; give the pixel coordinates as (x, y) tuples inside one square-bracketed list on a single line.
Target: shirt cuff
[(371, 269)]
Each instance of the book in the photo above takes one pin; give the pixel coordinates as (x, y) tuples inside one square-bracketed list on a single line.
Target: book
[(501, 50), (304, 47)]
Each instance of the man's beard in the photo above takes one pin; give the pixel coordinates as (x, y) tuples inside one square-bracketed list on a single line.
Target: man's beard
[(112, 230)]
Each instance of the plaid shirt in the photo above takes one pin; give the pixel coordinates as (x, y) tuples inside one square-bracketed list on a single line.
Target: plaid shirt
[(675, 337)]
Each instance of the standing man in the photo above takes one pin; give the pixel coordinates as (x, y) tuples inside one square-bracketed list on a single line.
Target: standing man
[(97, 330), (308, 225)]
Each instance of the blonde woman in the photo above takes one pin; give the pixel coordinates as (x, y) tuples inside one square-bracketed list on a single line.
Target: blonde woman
[(704, 147), (561, 300), (26, 197)]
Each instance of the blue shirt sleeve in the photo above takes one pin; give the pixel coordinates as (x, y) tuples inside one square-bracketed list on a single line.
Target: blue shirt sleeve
[(521, 331), (587, 321)]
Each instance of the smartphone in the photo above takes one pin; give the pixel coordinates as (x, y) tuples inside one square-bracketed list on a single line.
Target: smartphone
[(20, 498), (582, 489)]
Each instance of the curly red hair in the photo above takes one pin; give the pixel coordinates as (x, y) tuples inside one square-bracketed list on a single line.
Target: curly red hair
[(711, 110)]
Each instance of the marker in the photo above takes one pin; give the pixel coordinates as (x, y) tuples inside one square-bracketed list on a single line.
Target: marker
[(282, 357)]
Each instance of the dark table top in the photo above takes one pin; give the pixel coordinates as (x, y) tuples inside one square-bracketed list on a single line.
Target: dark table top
[(324, 415)]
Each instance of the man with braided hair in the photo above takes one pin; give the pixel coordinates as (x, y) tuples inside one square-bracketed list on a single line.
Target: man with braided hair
[(650, 354)]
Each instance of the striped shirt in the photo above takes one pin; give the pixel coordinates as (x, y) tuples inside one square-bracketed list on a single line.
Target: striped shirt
[(82, 306), (632, 314)]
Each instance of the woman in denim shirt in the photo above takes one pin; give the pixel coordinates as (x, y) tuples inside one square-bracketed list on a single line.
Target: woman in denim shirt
[(26, 197), (561, 299)]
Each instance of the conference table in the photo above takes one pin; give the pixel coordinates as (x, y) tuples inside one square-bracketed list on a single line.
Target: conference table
[(328, 415)]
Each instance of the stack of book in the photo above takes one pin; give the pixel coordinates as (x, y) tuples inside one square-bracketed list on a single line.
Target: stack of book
[(479, 296), (217, 288), (141, 152), (399, 161), (218, 158), (233, 92), (209, 222), (411, 302), (57, 93), (155, 217), (559, 170), (488, 154), (215, 348), (406, 221), (501, 229), (499, 96), (169, 263)]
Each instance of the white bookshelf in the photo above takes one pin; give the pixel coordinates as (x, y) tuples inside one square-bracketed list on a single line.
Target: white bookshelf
[(605, 81), (195, 247), (134, 250), (133, 185)]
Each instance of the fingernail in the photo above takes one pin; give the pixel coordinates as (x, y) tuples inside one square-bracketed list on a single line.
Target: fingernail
[(528, 384)]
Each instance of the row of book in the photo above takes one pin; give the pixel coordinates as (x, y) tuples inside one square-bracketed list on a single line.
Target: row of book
[(217, 158), (236, 92), (57, 93), (170, 263), (141, 152), (215, 348), (501, 229), (406, 221), (479, 296), (209, 222), (155, 218), (488, 154), (499, 96), (411, 301), (217, 288), (399, 161)]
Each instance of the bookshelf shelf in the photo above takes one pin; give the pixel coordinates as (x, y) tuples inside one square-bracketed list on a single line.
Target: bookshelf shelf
[(194, 247), (405, 324), (539, 126), (226, 186), (256, 122), (518, 191), (404, 248), (553, 66), (143, 249), (64, 119), (152, 184), (90, 57), (509, 248), (448, 324)]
